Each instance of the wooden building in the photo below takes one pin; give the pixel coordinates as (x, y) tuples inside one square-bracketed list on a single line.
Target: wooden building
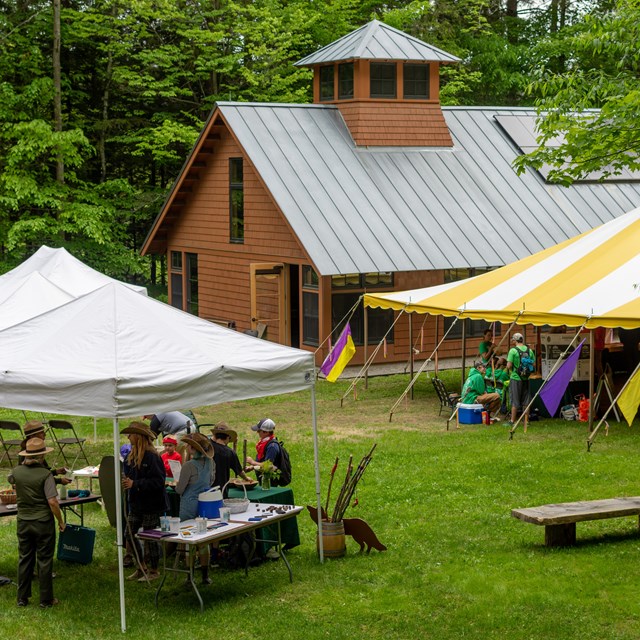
[(284, 214)]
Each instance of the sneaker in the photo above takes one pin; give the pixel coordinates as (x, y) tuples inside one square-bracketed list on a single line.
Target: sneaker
[(272, 554), (136, 575), (49, 603), (151, 575), (23, 602)]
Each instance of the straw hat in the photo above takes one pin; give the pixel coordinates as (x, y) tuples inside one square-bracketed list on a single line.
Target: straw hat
[(32, 427), (200, 443), (222, 429), (140, 429), (35, 447)]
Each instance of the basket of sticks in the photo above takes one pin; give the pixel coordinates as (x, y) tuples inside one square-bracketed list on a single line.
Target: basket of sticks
[(236, 505), (8, 496)]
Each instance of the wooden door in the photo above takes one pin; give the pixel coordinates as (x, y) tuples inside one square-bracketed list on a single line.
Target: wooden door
[(269, 301)]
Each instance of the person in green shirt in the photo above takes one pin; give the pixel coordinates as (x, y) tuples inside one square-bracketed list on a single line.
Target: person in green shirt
[(486, 349), (38, 509), (474, 390), (518, 378)]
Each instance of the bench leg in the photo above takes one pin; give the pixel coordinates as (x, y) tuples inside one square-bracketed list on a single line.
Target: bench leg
[(560, 535)]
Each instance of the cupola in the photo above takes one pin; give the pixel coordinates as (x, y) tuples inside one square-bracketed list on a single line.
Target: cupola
[(386, 85)]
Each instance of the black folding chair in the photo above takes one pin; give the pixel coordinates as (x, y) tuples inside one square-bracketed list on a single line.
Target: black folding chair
[(68, 441), (447, 400), (10, 443)]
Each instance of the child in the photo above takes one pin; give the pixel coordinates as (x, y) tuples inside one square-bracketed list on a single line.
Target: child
[(170, 453)]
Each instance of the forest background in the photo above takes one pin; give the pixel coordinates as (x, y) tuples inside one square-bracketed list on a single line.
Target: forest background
[(101, 100)]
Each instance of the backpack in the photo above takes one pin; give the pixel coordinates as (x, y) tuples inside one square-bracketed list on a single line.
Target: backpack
[(283, 462), (527, 364)]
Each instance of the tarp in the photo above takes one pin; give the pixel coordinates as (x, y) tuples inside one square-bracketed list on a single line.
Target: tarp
[(591, 279), (59, 267), (115, 353)]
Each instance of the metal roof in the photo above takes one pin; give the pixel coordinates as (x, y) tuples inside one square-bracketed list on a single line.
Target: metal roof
[(359, 210), (377, 41)]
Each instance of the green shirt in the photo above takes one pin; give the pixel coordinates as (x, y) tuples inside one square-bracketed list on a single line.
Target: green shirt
[(34, 487), (514, 359), (473, 387)]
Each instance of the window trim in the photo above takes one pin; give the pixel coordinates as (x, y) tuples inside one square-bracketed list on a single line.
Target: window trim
[(235, 188)]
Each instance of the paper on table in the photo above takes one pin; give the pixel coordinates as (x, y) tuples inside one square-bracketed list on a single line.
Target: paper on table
[(175, 467)]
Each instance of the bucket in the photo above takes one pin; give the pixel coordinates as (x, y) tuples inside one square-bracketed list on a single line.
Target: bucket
[(333, 542), (470, 413), (209, 503)]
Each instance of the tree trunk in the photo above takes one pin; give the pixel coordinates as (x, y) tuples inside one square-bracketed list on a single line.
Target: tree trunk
[(57, 86)]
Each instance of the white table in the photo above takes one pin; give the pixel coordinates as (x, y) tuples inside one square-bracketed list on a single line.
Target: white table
[(270, 514)]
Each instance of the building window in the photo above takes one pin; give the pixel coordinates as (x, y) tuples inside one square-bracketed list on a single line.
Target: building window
[(192, 283), (310, 320), (345, 81), (416, 81), (236, 200), (382, 80), (309, 277), (379, 319), (473, 328), (326, 83), (362, 280), (176, 279)]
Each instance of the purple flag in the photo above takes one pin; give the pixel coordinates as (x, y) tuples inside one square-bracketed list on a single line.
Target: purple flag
[(556, 385)]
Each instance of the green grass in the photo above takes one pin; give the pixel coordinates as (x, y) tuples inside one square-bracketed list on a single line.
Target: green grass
[(458, 565)]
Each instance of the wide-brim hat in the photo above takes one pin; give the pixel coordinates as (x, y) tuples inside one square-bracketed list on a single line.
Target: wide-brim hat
[(138, 429), (35, 447), (222, 429), (266, 424), (199, 443), (33, 426)]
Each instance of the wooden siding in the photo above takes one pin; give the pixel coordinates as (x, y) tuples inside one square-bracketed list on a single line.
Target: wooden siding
[(396, 123), (202, 227)]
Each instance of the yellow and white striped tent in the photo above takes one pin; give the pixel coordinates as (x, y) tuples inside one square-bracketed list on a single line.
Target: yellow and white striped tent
[(592, 279)]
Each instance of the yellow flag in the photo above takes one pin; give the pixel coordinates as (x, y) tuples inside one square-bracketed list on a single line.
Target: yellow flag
[(630, 398)]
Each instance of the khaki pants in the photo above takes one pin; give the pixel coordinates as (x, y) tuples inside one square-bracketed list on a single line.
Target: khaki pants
[(491, 401)]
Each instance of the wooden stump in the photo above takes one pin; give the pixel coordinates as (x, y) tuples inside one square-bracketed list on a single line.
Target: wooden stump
[(560, 535)]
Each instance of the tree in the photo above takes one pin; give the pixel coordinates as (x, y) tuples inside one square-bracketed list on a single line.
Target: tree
[(589, 111)]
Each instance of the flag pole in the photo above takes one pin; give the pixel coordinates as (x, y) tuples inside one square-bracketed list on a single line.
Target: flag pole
[(591, 438), (557, 364)]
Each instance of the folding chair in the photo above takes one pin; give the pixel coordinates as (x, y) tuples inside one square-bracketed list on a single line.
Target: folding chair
[(448, 400), (69, 441), (12, 443)]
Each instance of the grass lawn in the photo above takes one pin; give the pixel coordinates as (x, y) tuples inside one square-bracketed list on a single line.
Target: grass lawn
[(457, 566)]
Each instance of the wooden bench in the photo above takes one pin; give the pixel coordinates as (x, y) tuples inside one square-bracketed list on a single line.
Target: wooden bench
[(559, 520)]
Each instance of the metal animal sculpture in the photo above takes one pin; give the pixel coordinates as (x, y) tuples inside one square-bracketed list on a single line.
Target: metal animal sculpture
[(358, 529)]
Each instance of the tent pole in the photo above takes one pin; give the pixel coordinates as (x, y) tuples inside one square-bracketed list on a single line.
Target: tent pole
[(366, 345), (411, 350), (316, 462), (592, 373), (463, 364), (119, 536)]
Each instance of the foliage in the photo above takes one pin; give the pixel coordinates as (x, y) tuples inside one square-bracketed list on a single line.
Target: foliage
[(591, 66)]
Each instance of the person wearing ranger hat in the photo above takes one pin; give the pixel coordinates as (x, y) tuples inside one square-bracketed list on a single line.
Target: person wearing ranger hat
[(196, 476), (143, 479), (38, 505), (35, 429)]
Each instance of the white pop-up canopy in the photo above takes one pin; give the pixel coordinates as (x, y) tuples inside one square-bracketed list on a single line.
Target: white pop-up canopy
[(115, 353), (59, 267)]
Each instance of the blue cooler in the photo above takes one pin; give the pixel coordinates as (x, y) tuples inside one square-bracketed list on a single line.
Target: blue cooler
[(470, 413), (209, 503)]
